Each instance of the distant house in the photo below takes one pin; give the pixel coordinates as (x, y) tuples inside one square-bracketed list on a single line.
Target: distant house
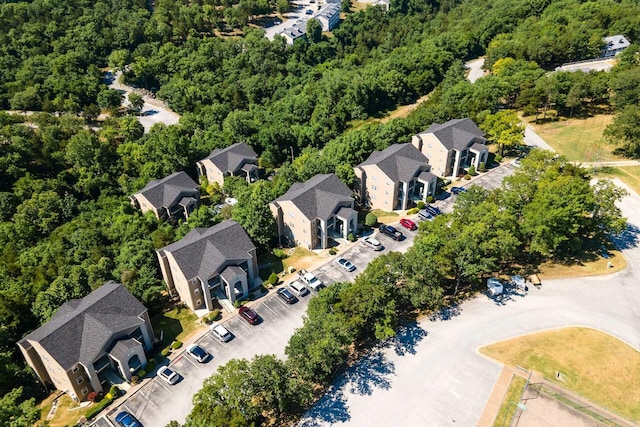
[(209, 264), (613, 45), (89, 340), (236, 160), (171, 198), (395, 178), (312, 212), (452, 146), (328, 16), (295, 31)]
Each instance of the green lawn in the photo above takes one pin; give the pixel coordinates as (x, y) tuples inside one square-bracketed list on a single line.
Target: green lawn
[(593, 364), (510, 401), (176, 324), (630, 175), (269, 263), (579, 139)]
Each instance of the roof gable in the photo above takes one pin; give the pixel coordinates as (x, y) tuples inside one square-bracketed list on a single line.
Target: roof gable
[(170, 190), (399, 162), (232, 158), (319, 196), (457, 134)]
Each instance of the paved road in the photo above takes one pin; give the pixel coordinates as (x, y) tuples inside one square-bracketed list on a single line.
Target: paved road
[(153, 110), (432, 373), (475, 69), (586, 66), (532, 139)]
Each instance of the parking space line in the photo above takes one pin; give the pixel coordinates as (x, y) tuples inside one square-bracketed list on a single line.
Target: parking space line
[(264, 304), (189, 359), (164, 386)]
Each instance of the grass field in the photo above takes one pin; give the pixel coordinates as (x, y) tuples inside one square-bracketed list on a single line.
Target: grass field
[(630, 175), (579, 139), (591, 267), (67, 413), (593, 364), (511, 398), (177, 324)]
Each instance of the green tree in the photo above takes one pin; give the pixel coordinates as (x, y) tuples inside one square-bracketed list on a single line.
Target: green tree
[(254, 214), (16, 412), (136, 101), (371, 219), (624, 131), (503, 128), (110, 99), (314, 30)]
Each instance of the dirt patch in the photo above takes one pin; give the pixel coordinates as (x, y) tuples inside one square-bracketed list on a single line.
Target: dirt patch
[(543, 411)]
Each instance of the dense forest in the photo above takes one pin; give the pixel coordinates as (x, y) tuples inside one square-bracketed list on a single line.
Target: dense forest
[(65, 222)]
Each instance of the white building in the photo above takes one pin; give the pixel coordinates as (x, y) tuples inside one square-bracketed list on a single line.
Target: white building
[(613, 45), (294, 32), (328, 16)]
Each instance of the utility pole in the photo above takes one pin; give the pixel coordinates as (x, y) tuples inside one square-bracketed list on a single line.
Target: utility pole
[(291, 154)]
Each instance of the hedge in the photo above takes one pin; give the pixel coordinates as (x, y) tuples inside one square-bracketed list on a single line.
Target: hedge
[(98, 407)]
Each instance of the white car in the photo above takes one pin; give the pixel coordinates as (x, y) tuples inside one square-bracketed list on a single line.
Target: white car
[(345, 264), (373, 243), (198, 353), (298, 288), (221, 333), (169, 375)]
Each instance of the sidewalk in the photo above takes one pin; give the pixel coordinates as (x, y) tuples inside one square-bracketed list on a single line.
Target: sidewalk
[(497, 395)]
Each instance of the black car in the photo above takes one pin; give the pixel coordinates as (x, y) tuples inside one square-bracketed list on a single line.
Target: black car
[(125, 419), (458, 190), (286, 296), (433, 210), (391, 232)]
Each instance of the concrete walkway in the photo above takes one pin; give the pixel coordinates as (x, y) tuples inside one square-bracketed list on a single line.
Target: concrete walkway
[(475, 69), (496, 398), (532, 139)]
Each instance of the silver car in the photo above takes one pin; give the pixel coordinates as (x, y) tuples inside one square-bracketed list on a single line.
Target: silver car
[(373, 243), (168, 375), (298, 288), (221, 333)]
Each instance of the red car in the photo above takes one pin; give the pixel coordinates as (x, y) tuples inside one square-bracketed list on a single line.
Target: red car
[(249, 315), (408, 224)]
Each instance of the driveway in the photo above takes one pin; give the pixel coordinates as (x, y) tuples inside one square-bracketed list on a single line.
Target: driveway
[(156, 403), (475, 69), (432, 373), (298, 12)]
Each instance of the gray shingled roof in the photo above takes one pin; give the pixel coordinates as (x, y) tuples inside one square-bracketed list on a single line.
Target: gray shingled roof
[(169, 190), (319, 196), (120, 349), (616, 42), (80, 329), (232, 158), (457, 134), (230, 272), (345, 212), (479, 147), (204, 251), (399, 162), (426, 176)]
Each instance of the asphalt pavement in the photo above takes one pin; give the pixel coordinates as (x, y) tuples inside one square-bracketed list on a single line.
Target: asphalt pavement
[(431, 374)]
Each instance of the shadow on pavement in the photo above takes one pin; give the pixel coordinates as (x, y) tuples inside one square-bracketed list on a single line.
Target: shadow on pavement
[(406, 339), (628, 239), (331, 408), (509, 293), (446, 313)]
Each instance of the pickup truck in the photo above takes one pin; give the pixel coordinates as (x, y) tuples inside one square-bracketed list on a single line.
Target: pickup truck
[(391, 232), (310, 280)]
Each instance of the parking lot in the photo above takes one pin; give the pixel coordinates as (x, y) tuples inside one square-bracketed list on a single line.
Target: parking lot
[(298, 11), (157, 403)]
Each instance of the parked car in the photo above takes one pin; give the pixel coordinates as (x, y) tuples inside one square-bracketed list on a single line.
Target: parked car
[(125, 419), (311, 280), (373, 243), (495, 286), (433, 210), (309, 12), (345, 264), (221, 333), (286, 296), (168, 375), (249, 315), (198, 353), (408, 224), (426, 215), (298, 288), (458, 190), (391, 232)]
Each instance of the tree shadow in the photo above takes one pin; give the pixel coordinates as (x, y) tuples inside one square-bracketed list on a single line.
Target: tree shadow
[(407, 338), (509, 293), (446, 313), (331, 408), (369, 373), (628, 239)]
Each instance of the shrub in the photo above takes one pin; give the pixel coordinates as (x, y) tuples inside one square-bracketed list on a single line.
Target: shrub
[(98, 407), (472, 170), (467, 177), (482, 167), (273, 279), (351, 237), (211, 317), (430, 199), (176, 344), (280, 253), (498, 158), (413, 211), (142, 373), (420, 204), (371, 219), (529, 110), (114, 391), (134, 380), (165, 352), (333, 251), (93, 396), (151, 365), (237, 303)]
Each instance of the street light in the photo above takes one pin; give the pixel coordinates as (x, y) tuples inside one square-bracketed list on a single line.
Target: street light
[(290, 147)]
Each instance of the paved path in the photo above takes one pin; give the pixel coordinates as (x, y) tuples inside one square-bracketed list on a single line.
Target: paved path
[(532, 139), (475, 69), (432, 374), (153, 111), (617, 163), (586, 66)]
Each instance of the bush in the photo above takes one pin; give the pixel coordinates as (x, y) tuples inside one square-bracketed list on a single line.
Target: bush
[(114, 391), (134, 380), (430, 199), (371, 220), (472, 170), (333, 251), (413, 211), (98, 407), (280, 253), (151, 365), (420, 204), (142, 373), (482, 167), (176, 344), (529, 110), (498, 158), (273, 279), (211, 317), (165, 352), (93, 396), (351, 237), (467, 177), (237, 303)]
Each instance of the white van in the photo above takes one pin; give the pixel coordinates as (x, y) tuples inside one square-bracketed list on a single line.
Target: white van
[(298, 288), (495, 286)]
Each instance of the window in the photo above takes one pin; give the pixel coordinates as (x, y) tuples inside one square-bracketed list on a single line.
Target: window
[(84, 390), (386, 192), (291, 215), (80, 380), (374, 178), (388, 183), (196, 291), (198, 303), (75, 369), (373, 187)]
